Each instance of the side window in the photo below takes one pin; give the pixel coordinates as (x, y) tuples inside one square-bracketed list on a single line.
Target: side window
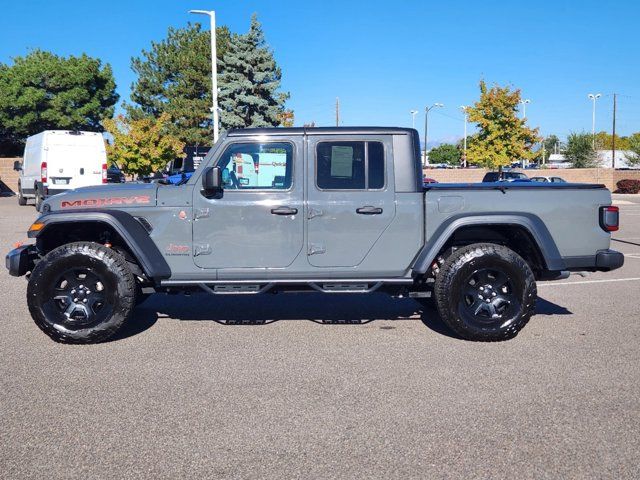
[(350, 165), (257, 166)]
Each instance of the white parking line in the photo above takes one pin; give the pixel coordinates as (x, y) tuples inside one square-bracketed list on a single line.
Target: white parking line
[(547, 284)]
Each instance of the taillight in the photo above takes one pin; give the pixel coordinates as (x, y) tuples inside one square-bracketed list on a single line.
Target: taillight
[(104, 173), (610, 218), (43, 172)]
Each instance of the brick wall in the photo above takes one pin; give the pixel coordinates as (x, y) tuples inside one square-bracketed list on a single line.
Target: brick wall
[(8, 176), (605, 176)]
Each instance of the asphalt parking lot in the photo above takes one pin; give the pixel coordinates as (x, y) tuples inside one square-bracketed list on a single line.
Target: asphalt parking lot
[(381, 391)]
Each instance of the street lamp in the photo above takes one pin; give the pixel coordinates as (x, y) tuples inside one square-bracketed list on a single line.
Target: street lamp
[(214, 71), (426, 128), (593, 116), (524, 107), (413, 118), (464, 157)]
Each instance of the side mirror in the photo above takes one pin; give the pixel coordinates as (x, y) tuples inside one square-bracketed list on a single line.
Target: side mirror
[(212, 180), (17, 165)]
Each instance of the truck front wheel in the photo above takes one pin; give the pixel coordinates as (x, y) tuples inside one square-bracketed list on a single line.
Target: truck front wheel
[(81, 293), (485, 292)]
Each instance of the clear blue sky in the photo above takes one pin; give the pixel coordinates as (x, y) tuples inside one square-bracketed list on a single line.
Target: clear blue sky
[(383, 58)]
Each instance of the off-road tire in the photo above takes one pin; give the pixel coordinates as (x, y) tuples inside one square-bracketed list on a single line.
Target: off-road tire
[(21, 200), (50, 299), (500, 311)]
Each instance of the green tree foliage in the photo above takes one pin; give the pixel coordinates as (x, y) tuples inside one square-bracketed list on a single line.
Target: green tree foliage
[(579, 150), (634, 147), (174, 77), (250, 82), (445, 153), (502, 137), (43, 91), (142, 146), (604, 141)]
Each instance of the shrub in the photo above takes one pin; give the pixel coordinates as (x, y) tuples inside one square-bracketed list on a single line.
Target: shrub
[(628, 186)]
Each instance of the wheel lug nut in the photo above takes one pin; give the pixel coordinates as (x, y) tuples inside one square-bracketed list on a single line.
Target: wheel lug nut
[(84, 300), (488, 301), (482, 289), (75, 299), (493, 294)]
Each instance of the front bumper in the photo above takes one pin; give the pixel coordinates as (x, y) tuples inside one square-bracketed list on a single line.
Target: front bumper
[(20, 260)]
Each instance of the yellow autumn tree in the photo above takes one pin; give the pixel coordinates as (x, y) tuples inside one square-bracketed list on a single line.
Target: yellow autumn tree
[(141, 146), (502, 136)]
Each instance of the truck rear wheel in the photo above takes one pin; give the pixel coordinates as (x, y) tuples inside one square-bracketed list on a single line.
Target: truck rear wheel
[(485, 292), (81, 293)]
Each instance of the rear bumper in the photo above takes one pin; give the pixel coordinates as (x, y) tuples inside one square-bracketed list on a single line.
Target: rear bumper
[(49, 192), (20, 260), (602, 261)]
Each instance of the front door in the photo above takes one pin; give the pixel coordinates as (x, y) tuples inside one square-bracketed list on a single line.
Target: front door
[(258, 221), (350, 198)]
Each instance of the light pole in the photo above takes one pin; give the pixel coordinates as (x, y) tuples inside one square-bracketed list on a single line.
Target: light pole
[(413, 118), (426, 129), (524, 107), (593, 116), (464, 157), (214, 70)]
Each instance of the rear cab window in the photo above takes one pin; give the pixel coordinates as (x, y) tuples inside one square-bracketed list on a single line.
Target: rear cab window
[(350, 165)]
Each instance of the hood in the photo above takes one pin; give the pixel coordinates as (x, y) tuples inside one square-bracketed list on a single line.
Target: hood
[(119, 196)]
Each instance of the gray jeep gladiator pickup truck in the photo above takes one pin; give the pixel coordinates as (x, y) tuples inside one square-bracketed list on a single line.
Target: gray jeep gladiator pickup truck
[(333, 210)]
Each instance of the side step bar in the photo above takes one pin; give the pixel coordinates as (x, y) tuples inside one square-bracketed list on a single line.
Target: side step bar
[(253, 287)]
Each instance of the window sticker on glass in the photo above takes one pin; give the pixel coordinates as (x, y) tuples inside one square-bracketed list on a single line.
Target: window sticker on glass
[(341, 161)]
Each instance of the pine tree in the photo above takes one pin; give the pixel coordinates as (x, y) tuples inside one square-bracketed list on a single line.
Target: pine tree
[(174, 77), (250, 82), (502, 137)]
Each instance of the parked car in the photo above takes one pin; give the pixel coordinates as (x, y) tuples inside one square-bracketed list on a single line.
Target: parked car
[(332, 210), (505, 176), (55, 161), (548, 179), (428, 180), (114, 174)]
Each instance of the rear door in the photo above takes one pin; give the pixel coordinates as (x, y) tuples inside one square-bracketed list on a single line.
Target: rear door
[(351, 200)]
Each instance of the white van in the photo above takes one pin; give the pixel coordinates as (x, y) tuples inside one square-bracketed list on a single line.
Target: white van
[(59, 160)]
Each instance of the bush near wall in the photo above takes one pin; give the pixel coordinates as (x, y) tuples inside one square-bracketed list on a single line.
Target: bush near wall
[(628, 186)]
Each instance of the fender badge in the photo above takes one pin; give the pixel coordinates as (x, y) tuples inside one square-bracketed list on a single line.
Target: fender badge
[(182, 215)]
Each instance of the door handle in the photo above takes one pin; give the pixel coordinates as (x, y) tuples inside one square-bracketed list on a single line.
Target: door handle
[(369, 210), (284, 211)]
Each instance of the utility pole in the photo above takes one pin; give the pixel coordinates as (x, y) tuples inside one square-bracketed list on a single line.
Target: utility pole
[(337, 111), (613, 140), (413, 118), (214, 71), (544, 152)]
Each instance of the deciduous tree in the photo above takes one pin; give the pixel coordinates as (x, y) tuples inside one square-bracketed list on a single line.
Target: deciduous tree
[(633, 158), (445, 153), (142, 146), (579, 150), (502, 136), (43, 91)]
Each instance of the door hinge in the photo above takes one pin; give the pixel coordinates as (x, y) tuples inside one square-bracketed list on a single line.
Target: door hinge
[(316, 249), (201, 213), (201, 249), (314, 213)]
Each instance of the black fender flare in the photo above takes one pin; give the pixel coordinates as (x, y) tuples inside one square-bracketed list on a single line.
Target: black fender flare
[(132, 232), (530, 222)]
